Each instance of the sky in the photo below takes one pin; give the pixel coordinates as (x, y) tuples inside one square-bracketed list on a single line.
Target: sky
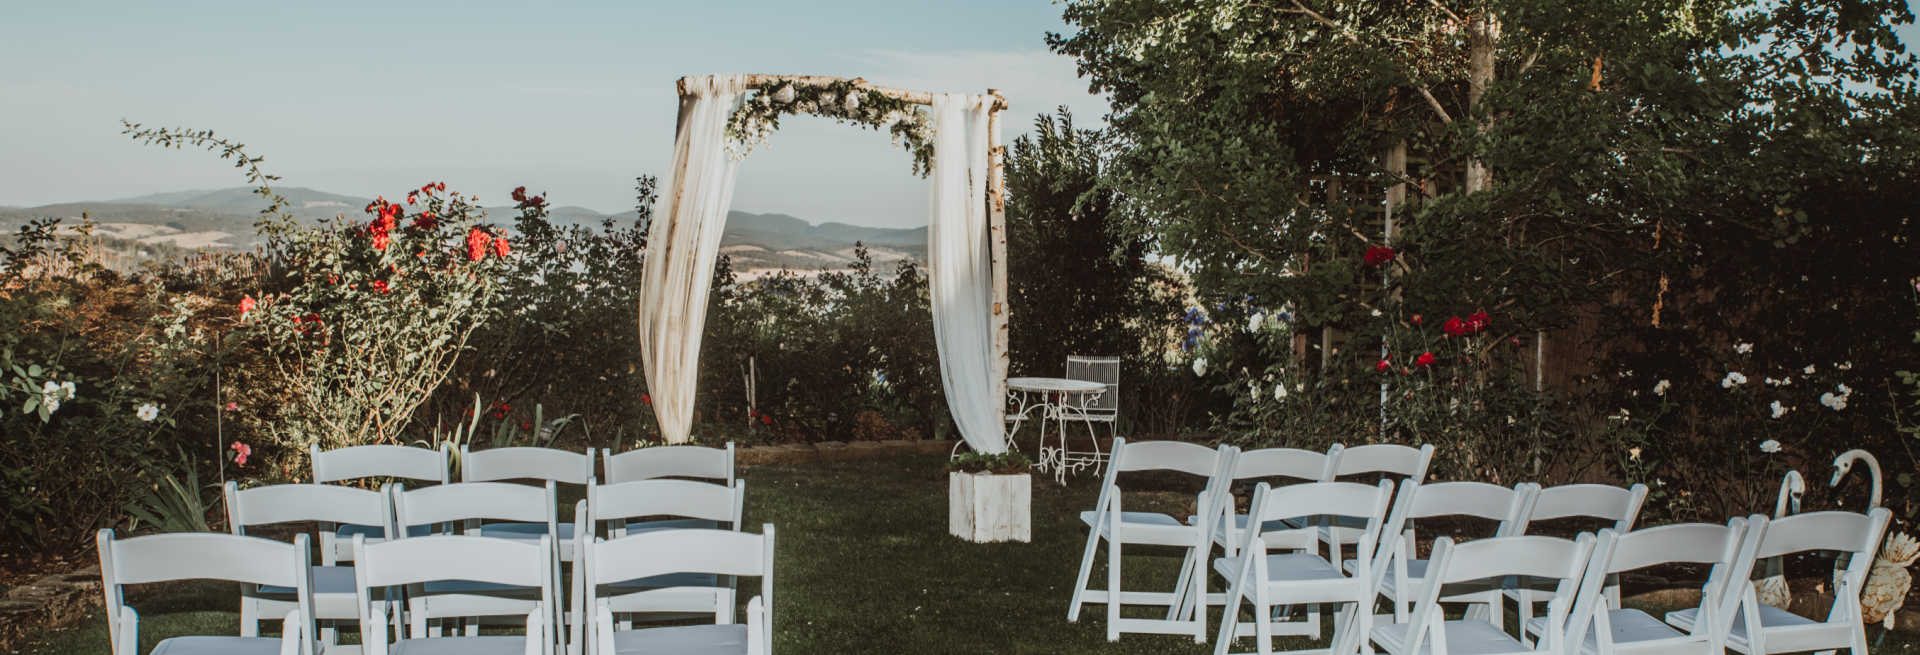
[(574, 99)]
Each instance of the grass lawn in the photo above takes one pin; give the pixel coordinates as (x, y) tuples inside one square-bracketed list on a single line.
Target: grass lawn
[(864, 565)]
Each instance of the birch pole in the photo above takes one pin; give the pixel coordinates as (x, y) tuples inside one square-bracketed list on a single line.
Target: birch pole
[(997, 247)]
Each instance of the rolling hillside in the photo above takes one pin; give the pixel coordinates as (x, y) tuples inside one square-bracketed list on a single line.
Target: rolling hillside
[(758, 244)]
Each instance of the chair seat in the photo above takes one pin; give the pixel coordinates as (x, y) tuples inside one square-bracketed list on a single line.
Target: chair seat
[(533, 532), (1630, 626), (684, 640), (1277, 533), (483, 645), (218, 646), (1770, 617), (1147, 528), (1285, 567), (1416, 572), (326, 580), (1464, 637), (668, 581)]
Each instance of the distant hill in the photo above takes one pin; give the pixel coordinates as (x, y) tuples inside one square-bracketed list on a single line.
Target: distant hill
[(758, 244)]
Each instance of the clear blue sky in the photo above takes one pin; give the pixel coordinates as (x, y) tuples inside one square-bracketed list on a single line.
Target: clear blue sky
[(573, 98)]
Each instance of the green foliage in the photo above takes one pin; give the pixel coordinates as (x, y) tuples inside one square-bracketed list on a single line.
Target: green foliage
[(1011, 462), (172, 504), (839, 100)]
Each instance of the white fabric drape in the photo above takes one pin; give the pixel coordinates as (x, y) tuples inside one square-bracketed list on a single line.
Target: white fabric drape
[(960, 260), (682, 245)]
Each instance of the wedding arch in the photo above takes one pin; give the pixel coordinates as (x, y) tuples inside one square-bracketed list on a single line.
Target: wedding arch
[(954, 139)]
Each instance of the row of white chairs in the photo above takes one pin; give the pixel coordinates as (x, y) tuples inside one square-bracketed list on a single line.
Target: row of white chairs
[(657, 488), (1286, 553)]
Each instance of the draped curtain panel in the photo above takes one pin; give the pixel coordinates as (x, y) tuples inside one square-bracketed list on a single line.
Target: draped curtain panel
[(682, 245), (684, 242), (959, 257)]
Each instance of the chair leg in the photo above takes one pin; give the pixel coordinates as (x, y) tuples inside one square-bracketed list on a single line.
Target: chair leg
[(1113, 590), (249, 618), (1086, 570), (1177, 609), (1201, 550)]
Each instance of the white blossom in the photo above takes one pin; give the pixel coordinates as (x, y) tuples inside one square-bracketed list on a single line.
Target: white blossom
[(785, 95), (1778, 409), (852, 103), (1660, 388), (1253, 322), (1834, 402), (147, 412), (1634, 453), (1200, 367), (1622, 416), (1733, 379), (70, 391), (1280, 391), (1844, 366), (1375, 313), (1770, 446), (1808, 370), (1743, 348), (1844, 390)]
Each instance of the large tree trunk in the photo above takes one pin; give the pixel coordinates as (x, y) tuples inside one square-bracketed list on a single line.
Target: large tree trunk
[(1483, 34)]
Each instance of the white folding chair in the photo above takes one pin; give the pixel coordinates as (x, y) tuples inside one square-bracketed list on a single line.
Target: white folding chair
[(1616, 505), (664, 553), (376, 461), (1301, 575), (1598, 630), (671, 505), (1406, 465), (695, 462), (442, 559), (1110, 523), (1406, 576), (1264, 465), (528, 463), (1850, 534), (467, 507), (306, 503), (206, 556), (1476, 565)]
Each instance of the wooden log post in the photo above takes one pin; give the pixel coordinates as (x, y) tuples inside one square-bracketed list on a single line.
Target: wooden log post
[(997, 245)]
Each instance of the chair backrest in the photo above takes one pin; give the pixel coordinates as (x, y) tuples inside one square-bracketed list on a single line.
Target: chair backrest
[(1104, 370), (698, 462), (663, 497), (1856, 537), (715, 552), (1595, 501), (1180, 456), (199, 556), (526, 463), (1352, 500), (1722, 547), (381, 461), (437, 558), (1550, 559), (471, 502), (1296, 463), (1507, 505), (1391, 459), (325, 504)]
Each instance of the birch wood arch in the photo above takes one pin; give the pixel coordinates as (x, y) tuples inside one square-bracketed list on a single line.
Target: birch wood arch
[(955, 141)]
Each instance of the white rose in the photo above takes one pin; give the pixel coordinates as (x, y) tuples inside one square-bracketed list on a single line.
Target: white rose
[(784, 95), (71, 391), (852, 103), (1743, 348), (1808, 370), (1200, 367), (1253, 322), (1280, 391), (1778, 409), (1770, 446), (1660, 388), (147, 412)]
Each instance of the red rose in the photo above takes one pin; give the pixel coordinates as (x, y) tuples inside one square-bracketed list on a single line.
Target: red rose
[(536, 201), (412, 196), (519, 194), (439, 186), (526, 425), (1478, 321), (1377, 255), (1455, 327), (424, 221), (246, 304), (500, 248), (1425, 359), (1383, 366), (380, 240), (477, 242), (380, 286), (766, 420), (1417, 319), (646, 399)]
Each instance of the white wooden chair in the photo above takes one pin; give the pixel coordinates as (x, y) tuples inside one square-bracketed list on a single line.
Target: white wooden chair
[(440, 559), (1405, 465), (1301, 575), (1108, 522), (672, 505), (1598, 629), (376, 461), (657, 554), (1405, 579), (694, 462), (467, 507), (529, 463), (333, 591), (206, 556), (1476, 565), (1616, 505), (1268, 465), (1850, 534)]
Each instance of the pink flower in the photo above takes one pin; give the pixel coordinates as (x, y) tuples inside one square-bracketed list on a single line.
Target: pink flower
[(233, 406), (240, 453)]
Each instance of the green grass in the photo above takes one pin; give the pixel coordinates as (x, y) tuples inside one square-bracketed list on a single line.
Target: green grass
[(864, 565)]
